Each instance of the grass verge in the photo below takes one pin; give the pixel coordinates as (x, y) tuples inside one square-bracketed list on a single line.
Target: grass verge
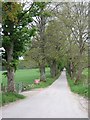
[(81, 88), (48, 82), (10, 97)]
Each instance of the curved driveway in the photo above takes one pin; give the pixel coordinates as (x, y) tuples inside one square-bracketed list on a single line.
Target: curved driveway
[(56, 101)]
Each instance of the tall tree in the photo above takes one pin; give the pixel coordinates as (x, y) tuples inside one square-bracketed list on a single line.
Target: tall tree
[(54, 42), (39, 41), (16, 34)]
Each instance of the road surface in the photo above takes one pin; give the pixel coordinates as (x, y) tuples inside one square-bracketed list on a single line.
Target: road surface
[(56, 101)]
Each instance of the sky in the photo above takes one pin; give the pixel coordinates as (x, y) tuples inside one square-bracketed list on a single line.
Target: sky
[(21, 58)]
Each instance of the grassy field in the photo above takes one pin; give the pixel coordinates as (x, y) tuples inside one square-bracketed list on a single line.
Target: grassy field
[(82, 87), (26, 76)]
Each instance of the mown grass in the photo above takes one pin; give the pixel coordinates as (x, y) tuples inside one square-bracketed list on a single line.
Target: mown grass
[(82, 87), (27, 76)]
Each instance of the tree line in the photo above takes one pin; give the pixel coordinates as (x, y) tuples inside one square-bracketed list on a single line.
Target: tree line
[(55, 34), (66, 40)]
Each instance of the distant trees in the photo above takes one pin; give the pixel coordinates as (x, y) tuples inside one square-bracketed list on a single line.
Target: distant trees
[(55, 43)]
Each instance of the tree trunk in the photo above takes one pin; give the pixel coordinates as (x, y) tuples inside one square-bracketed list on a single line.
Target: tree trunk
[(79, 73), (53, 68), (42, 73), (10, 77), (42, 47), (10, 69), (69, 69), (80, 68), (80, 64), (72, 70), (74, 73)]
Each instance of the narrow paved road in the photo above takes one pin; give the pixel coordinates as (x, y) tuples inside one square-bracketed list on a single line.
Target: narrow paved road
[(55, 101)]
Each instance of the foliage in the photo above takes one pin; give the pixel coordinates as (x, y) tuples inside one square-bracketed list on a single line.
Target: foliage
[(27, 64), (55, 41), (16, 27)]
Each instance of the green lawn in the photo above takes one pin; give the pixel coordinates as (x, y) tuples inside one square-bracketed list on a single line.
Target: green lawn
[(82, 87), (27, 75), (26, 79)]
